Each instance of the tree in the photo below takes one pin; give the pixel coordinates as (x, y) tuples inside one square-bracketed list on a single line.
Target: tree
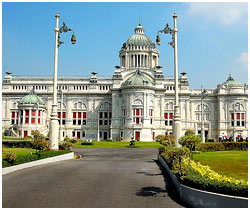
[(39, 142), (190, 141)]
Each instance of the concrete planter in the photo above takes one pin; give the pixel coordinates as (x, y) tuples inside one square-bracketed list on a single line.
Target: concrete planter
[(10, 169), (203, 199)]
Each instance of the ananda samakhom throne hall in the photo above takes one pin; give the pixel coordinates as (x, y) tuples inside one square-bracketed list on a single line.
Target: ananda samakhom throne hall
[(137, 101)]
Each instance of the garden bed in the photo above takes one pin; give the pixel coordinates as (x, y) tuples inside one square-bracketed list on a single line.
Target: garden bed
[(25, 155), (200, 198)]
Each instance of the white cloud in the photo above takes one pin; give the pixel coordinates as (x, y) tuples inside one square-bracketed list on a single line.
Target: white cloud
[(223, 13), (243, 58)]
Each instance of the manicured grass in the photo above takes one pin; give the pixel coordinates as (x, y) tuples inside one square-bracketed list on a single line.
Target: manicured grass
[(229, 163), (117, 144), (27, 155)]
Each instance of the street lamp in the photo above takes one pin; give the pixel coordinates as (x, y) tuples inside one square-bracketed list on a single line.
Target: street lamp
[(61, 115), (53, 129), (203, 95), (173, 43)]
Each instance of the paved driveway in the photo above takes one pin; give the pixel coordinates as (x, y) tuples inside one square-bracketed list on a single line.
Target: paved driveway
[(119, 178)]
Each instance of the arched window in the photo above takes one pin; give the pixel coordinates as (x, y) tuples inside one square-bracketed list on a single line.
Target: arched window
[(137, 102), (206, 112)]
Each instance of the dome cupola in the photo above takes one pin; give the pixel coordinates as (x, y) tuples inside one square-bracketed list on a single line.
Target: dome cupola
[(32, 98), (139, 51)]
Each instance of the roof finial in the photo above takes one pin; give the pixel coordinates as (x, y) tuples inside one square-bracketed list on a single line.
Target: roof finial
[(139, 16)]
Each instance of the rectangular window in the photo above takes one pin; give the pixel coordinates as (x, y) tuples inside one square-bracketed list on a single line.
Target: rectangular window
[(79, 114), (83, 134), (12, 121), (39, 120), (39, 113), (137, 112), (166, 115), (166, 122), (59, 114), (105, 122), (74, 122), (73, 133), (84, 122), (26, 113), (79, 122), (33, 120), (74, 114), (100, 114), (33, 113), (110, 114), (100, 122), (105, 114), (232, 116), (170, 115), (26, 120), (137, 120), (170, 122), (13, 115), (84, 114), (238, 123), (64, 114)]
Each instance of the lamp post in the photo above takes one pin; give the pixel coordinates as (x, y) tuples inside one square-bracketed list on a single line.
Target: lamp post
[(203, 95), (98, 126), (234, 129), (61, 115), (53, 129), (173, 43)]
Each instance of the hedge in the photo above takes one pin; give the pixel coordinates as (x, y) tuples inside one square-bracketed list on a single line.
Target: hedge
[(208, 147), (17, 144)]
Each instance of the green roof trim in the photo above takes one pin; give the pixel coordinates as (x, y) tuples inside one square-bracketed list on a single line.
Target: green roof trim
[(138, 79), (230, 81), (32, 98)]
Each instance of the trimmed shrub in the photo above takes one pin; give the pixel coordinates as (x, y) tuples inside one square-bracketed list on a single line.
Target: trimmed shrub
[(65, 145), (174, 157), (208, 147), (87, 143), (17, 144), (10, 158), (235, 145), (209, 140), (189, 132)]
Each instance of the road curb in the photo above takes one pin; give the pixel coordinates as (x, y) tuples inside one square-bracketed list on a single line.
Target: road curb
[(10, 169)]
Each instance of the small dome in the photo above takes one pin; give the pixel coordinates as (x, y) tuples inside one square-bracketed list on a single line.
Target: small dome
[(32, 98), (231, 82), (139, 38), (138, 79)]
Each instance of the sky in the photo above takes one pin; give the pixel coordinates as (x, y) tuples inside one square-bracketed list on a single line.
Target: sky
[(212, 38)]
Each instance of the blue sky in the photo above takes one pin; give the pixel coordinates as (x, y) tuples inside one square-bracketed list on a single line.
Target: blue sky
[(212, 38)]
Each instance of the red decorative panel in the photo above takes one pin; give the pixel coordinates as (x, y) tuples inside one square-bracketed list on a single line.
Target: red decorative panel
[(137, 112), (79, 114), (39, 120), (27, 113), (33, 120), (238, 116), (170, 115), (74, 114), (64, 114), (59, 114), (39, 113), (242, 116), (33, 112), (232, 116), (166, 115), (13, 115), (84, 114), (26, 120)]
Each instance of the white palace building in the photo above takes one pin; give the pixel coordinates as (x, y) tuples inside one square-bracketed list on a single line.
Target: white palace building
[(138, 101)]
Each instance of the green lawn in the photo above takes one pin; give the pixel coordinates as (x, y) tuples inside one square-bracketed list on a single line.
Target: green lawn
[(229, 163), (27, 155), (117, 144)]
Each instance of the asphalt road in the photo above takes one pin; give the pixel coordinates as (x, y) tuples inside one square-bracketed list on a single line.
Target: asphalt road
[(107, 178)]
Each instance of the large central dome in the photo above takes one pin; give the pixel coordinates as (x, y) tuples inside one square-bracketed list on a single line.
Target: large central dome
[(139, 38)]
